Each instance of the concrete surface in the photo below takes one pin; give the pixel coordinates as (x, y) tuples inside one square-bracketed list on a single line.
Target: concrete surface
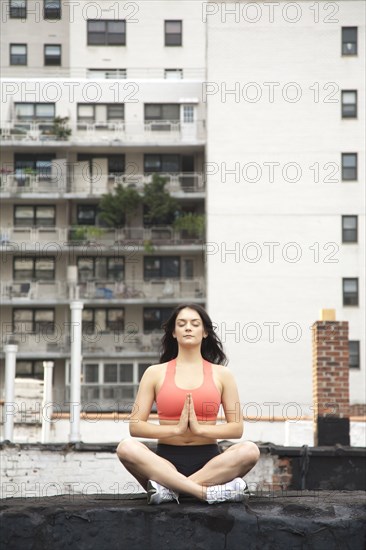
[(308, 520)]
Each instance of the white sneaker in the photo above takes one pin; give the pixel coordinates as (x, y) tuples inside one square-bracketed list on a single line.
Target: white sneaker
[(158, 494), (232, 491)]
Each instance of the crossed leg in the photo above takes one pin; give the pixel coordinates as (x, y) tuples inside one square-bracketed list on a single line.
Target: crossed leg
[(144, 464)]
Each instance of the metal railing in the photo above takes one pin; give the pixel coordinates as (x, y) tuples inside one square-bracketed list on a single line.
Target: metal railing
[(99, 289), (16, 184), (31, 183), (102, 343), (152, 131), (40, 291), (56, 237)]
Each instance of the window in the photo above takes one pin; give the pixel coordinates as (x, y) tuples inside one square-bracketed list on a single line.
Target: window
[(87, 214), (52, 9), (102, 32), (116, 163), (349, 229), (188, 268), (161, 163), (97, 319), (163, 267), (18, 9), (349, 40), (154, 317), (33, 320), (350, 292), (29, 369), (349, 103), (90, 268), (188, 114), (158, 111), (34, 216), (100, 114), (173, 33), (173, 74), (52, 54), (107, 73), (109, 385), (26, 164), (18, 54), (349, 166), (354, 354), (33, 269), (35, 111)]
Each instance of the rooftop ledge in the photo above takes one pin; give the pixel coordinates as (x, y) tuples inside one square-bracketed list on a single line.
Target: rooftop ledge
[(322, 507), (324, 520)]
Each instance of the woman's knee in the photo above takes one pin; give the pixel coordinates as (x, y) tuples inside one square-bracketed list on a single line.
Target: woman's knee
[(126, 449), (247, 453), (251, 452)]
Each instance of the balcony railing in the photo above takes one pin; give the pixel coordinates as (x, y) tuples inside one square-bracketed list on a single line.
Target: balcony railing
[(55, 291), (144, 290), (102, 132), (40, 291), (147, 238), (37, 131), (101, 343), (183, 182), (14, 237), (31, 183)]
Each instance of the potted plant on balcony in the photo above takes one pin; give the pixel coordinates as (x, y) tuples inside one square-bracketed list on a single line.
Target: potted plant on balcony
[(191, 225), (85, 233), (60, 129)]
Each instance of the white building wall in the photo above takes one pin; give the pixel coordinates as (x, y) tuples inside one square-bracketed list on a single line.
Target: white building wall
[(247, 130), (145, 52)]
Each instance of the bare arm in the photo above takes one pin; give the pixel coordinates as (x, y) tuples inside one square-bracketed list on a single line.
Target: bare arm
[(139, 427), (233, 429)]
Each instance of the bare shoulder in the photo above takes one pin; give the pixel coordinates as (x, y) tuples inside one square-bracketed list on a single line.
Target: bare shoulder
[(155, 370), (223, 373)]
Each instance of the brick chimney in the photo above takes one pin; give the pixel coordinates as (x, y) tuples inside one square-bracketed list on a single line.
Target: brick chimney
[(331, 380)]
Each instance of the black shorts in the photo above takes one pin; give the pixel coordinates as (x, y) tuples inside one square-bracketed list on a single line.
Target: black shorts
[(188, 458)]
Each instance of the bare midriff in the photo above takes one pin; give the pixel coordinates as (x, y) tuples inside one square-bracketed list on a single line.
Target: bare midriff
[(188, 438)]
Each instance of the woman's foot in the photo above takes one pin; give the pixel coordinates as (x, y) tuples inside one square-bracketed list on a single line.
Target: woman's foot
[(158, 494), (232, 491)]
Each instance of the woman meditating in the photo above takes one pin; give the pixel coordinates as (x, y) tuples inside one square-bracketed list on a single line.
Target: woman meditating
[(188, 385)]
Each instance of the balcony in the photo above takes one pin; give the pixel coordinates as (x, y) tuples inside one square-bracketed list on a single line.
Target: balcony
[(128, 241), (102, 291), (113, 133), (152, 291), (181, 185), (178, 184), (12, 184), (22, 238), (32, 132), (20, 292), (53, 239), (100, 344)]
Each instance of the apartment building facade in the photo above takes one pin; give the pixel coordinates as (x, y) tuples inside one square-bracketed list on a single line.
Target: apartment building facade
[(264, 141), (124, 116)]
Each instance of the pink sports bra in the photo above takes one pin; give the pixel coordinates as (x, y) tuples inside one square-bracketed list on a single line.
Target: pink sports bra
[(206, 398)]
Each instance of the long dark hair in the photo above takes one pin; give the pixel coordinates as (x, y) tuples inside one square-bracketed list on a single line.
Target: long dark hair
[(211, 347)]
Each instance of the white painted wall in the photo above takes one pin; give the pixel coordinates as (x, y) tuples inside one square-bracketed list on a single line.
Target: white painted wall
[(243, 135), (42, 473)]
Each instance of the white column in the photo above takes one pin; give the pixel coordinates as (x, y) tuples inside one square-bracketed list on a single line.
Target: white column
[(75, 393), (47, 405), (9, 404)]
